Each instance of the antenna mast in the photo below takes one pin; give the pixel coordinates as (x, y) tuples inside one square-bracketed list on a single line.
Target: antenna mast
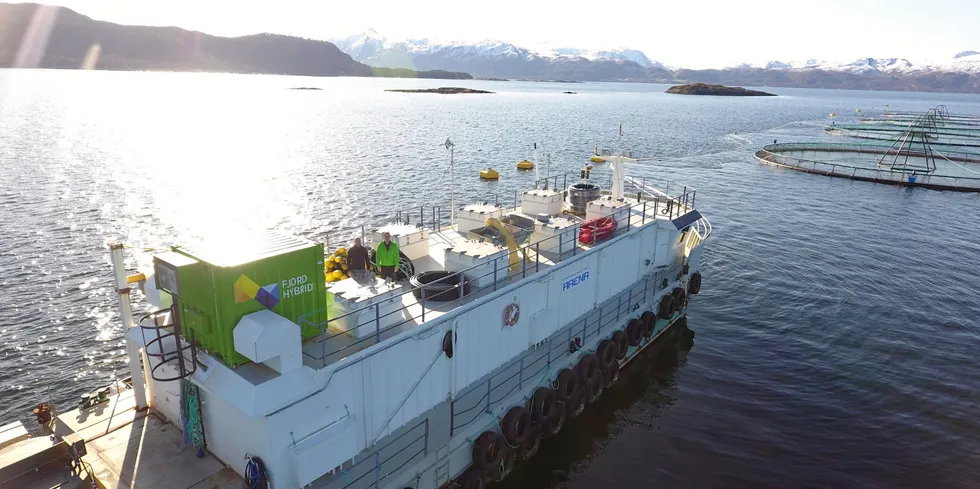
[(617, 164), (452, 184)]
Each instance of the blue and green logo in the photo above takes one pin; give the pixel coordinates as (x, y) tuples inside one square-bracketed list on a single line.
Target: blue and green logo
[(246, 289)]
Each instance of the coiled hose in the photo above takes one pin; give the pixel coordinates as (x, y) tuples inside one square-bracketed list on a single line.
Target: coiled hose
[(255, 477)]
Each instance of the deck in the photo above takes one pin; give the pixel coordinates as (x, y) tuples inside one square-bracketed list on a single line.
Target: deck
[(125, 449), (382, 312)]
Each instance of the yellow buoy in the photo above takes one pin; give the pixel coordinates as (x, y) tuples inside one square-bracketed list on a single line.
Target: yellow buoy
[(341, 251), (329, 265), (525, 165), (489, 174), (597, 159), (338, 275), (330, 278), (338, 259), (343, 267), (832, 114)]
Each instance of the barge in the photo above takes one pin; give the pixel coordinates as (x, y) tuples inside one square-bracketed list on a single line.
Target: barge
[(249, 365)]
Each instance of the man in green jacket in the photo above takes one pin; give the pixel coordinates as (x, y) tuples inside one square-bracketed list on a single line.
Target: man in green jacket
[(386, 258)]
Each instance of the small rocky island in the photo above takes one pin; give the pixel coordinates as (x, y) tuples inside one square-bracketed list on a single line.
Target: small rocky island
[(442, 90), (705, 89)]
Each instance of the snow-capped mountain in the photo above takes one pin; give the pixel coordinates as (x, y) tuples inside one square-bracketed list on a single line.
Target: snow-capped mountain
[(964, 62), (500, 59), (870, 66), (495, 58), (619, 54), (372, 48)]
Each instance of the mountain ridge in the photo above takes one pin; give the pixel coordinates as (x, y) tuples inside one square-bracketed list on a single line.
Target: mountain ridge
[(70, 40), (500, 59), (41, 36)]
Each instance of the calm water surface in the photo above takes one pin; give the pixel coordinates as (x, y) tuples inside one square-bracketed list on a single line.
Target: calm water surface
[(835, 333)]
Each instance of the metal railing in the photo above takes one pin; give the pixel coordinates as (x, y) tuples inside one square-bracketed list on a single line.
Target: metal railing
[(431, 217), (371, 470), (371, 323), (531, 369), (875, 149), (950, 142), (534, 367), (912, 179)]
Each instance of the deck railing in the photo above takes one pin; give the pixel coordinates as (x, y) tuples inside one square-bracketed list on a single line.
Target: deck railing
[(530, 369), (371, 470), (372, 322), (534, 366)]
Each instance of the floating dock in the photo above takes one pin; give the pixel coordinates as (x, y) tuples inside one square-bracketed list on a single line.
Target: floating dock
[(111, 445)]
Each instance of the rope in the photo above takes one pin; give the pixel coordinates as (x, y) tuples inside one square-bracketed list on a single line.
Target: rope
[(957, 164), (500, 430), (744, 141)]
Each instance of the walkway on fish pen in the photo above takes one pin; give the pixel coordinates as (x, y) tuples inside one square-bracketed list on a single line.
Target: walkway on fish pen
[(791, 155), (967, 122), (935, 131), (953, 148)]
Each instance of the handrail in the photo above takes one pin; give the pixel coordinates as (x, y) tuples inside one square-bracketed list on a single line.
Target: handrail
[(935, 180), (876, 149), (528, 372)]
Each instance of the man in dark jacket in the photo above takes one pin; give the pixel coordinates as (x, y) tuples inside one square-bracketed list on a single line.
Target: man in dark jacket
[(357, 261)]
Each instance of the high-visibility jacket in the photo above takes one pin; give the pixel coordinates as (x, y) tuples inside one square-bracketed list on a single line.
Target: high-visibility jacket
[(387, 255)]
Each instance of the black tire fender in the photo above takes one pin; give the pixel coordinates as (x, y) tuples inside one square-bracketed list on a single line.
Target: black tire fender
[(542, 404), (472, 479), (515, 425), (576, 405), (694, 284), (595, 392), (611, 375), (567, 384), (634, 332), (557, 421), (533, 442), (588, 369), (504, 468), (622, 344), (666, 307), (606, 351), (679, 296), (488, 449), (649, 323)]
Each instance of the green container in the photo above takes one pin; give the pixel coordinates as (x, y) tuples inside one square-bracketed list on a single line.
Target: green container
[(215, 284)]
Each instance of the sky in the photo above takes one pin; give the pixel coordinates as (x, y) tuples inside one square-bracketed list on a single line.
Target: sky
[(690, 34)]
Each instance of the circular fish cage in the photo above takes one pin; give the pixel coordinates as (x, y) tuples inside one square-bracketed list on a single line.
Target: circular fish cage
[(909, 165), (956, 137), (952, 139)]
